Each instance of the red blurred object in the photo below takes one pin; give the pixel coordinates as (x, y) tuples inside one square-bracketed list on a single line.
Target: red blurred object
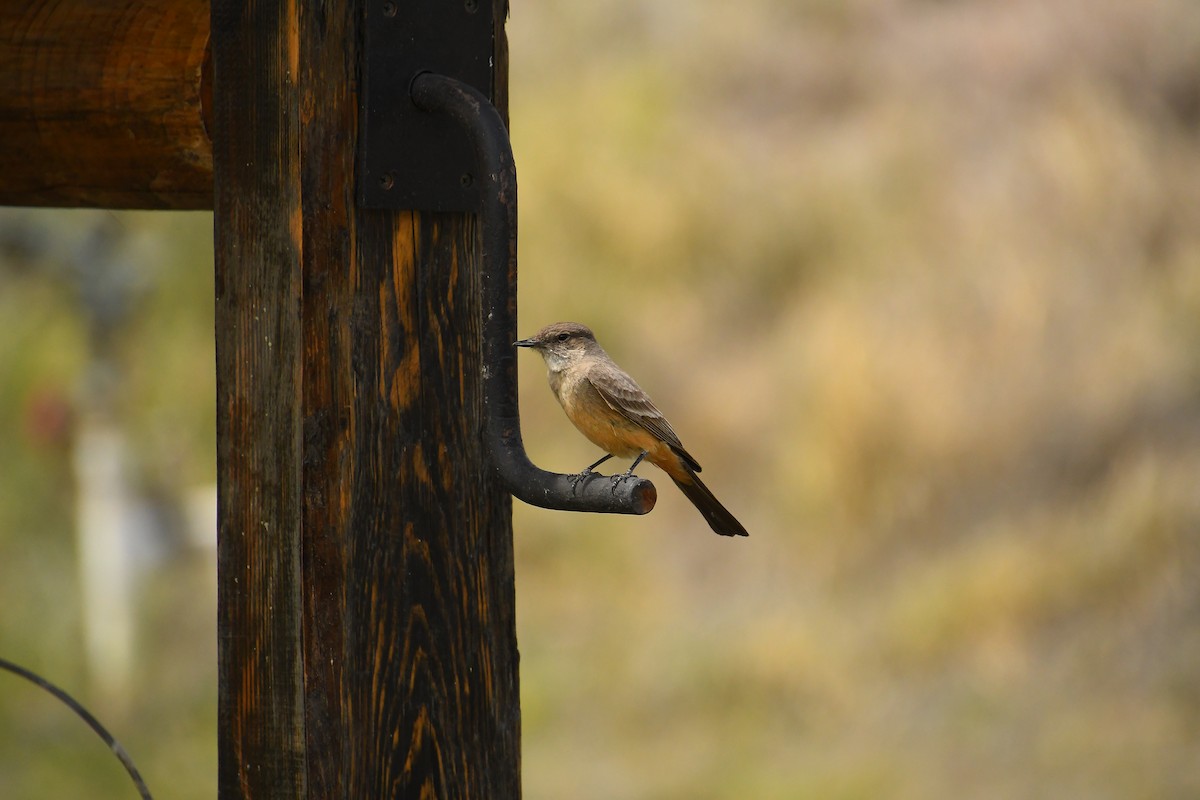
[(49, 417)]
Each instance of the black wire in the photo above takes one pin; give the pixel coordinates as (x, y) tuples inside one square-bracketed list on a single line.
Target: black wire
[(84, 714)]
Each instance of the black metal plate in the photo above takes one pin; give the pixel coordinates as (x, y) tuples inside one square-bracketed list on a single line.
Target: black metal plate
[(409, 159)]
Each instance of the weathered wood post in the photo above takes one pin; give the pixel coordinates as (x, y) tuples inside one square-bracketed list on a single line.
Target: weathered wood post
[(366, 581)]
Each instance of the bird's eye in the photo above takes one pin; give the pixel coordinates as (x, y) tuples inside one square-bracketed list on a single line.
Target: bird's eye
[(562, 337)]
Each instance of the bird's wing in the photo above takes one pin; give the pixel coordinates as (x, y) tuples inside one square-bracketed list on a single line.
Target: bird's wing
[(628, 399)]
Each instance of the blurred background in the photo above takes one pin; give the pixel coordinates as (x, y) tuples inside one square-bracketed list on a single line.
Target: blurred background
[(918, 283)]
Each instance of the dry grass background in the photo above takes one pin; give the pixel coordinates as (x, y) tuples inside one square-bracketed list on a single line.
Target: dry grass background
[(918, 282)]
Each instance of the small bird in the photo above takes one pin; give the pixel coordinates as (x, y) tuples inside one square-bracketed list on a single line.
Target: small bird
[(610, 409)]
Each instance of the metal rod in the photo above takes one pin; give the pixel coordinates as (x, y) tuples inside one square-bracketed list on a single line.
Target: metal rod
[(497, 181)]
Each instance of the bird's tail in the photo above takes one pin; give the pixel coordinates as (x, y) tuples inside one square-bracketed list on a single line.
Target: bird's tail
[(716, 515)]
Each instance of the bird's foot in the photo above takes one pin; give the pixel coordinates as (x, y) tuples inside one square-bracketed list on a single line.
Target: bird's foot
[(620, 478), (579, 478)]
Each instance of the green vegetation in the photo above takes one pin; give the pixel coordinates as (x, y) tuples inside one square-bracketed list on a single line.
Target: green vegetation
[(917, 282)]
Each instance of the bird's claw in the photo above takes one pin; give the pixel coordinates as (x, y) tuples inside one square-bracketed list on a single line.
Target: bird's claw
[(579, 478), (620, 478)]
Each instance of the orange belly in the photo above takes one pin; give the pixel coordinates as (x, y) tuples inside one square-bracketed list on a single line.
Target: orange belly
[(611, 431)]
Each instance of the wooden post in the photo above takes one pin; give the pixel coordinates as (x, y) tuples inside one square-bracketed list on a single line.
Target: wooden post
[(366, 614), (366, 610)]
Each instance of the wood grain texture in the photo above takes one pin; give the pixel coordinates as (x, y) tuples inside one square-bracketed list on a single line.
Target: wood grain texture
[(368, 645), (259, 409), (102, 104)]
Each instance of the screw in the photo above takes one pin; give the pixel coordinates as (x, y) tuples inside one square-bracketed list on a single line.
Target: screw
[(387, 181), (466, 180), (389, 9), (471, 6)]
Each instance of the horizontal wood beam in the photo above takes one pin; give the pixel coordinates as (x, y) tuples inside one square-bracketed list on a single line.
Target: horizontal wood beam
[(104, 103)]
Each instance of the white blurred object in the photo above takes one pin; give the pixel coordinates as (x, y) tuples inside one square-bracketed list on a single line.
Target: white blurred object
[(104, 527), (200, 512)]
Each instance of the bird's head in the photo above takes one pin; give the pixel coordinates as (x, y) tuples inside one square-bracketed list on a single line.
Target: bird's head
[(561, 343)]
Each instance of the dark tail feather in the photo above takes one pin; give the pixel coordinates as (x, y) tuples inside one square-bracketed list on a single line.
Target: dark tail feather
[(717, 516)]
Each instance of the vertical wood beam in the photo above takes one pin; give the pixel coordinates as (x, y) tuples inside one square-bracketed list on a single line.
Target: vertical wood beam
[(258, 227), (366, 608)]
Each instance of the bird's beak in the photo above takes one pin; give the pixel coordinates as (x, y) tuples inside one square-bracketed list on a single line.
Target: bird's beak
[(526, 343)]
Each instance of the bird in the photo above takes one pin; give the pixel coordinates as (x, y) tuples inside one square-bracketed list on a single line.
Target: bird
[(611, 410)]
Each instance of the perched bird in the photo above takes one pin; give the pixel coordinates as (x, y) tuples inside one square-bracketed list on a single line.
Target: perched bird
[(610, 409)]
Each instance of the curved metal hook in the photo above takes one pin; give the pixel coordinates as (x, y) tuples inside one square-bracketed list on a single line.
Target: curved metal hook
[(497, 180)]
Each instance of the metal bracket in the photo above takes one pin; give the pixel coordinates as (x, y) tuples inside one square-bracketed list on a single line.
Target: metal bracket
[(471, 112), (409, 159)]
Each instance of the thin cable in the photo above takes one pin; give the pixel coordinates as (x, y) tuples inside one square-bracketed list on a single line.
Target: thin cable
[(87, 717)]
